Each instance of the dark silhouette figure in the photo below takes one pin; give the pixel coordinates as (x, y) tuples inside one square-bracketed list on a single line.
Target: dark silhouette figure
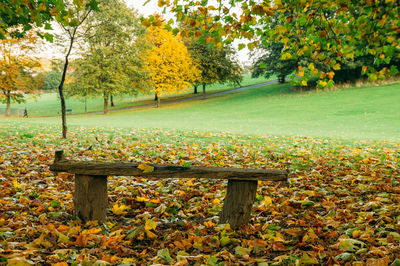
[(26, 112)]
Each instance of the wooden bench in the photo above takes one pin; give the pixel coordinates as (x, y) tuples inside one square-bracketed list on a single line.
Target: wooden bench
[(91, 200)]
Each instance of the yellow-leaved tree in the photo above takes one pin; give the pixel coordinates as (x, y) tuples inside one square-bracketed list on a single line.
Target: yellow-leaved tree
[(171, 68), (17, 68)]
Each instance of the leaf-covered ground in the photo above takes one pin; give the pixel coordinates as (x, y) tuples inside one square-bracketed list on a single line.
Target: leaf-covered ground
[(341, 206)]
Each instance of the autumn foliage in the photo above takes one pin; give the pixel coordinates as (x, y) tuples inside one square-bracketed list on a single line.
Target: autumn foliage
[(341, 203), (17, 68), (171, 68)]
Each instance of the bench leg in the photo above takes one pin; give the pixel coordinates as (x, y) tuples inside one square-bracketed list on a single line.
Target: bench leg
[(238, 202), (90, 197)]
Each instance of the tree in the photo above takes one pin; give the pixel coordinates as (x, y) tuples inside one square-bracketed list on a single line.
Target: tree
[(169, 62), (329, 33), (269, 63), (17, 65), (215, 64), (53, 77), (80, 10), (111, 63)]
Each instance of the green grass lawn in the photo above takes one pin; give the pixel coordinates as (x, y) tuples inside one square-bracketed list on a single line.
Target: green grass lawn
[(355, 113), (48, 104)]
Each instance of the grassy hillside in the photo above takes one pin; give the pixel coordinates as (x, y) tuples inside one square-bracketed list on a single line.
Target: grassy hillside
[(357, 113), (48, 104)]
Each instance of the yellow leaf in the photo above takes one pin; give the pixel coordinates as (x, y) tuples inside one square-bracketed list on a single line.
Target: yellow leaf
[(150, 225), (336, 67), (356, 233), (322, 83), (151, 235), (146, 168), (279, 237), (330, 75), (304, 83), (216, 201), (267, 201), (141, 199), (93, 231), (286, 56), (300, 73), (16, 184), (61, 264), (119, 209)]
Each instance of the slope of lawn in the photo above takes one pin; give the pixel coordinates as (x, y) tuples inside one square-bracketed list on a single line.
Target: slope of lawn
[(355, 113), (48, 104)]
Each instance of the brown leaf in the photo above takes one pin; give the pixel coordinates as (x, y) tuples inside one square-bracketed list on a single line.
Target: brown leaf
[(279, 246)]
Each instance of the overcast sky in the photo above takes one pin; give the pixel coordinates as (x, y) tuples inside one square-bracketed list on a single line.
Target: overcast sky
[(150, 8)]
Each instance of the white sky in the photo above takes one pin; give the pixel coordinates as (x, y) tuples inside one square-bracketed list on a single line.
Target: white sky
[(149, 9)]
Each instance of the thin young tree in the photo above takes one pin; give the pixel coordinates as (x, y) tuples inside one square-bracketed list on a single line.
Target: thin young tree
[(80, 11)]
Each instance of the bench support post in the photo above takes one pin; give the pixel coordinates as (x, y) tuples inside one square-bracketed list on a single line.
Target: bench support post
[(90, 197), (238, 202)]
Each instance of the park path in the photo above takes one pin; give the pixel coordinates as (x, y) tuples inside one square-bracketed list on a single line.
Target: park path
[(182, 100)]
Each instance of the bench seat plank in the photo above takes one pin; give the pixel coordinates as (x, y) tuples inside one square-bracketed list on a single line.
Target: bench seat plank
[(165, 171)]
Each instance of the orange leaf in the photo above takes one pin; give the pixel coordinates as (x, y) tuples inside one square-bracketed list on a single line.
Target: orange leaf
[(82, 240), (209, 224), (279, 246), (61, 264), (63, 228)]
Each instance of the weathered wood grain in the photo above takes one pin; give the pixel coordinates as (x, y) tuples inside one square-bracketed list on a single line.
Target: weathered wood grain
[(165, 171), (90, 197), (238, 202)]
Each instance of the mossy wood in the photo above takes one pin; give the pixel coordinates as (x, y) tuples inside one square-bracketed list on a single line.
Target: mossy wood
[(90, 197)]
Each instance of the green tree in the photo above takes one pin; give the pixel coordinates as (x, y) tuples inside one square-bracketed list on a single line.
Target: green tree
[(52, 78), (329, 33), (111, 64), (215, 64)]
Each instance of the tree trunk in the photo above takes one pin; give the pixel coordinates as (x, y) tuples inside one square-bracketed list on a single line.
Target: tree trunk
[(204, 90), (106, 104), (238, 202), (155, 96), (158, 101), (195, 89), (112, 101), (90, 197), (61, 94), (8, 110), (61, 88)]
